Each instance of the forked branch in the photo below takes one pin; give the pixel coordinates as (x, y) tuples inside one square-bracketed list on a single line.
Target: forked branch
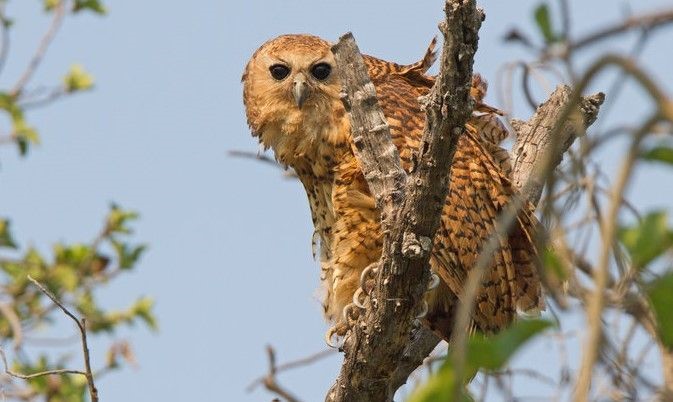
[(366, 373), (410, 204)]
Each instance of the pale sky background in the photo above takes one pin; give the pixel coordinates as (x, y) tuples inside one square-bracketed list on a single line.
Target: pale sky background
[(230, 240)]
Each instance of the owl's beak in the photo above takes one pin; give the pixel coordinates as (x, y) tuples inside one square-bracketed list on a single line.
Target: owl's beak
[(300, 89)]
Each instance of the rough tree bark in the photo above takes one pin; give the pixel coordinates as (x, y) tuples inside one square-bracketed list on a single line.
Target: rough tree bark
[(382, 348), (533, 140), (410, 205)]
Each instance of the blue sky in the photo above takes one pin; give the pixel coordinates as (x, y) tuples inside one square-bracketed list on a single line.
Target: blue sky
[(230, 240)]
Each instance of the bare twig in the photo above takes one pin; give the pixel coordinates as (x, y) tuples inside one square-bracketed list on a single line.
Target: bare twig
[(33, 101), (34, 375), (81, 324), (263, 158), (644, 22), (14, 324), (59, 13), (4, 37), (270, 382), (596, 302), (304, 361), (565, 18), (254, 155)]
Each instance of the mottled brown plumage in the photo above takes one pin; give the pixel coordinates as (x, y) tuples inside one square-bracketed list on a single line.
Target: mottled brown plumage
[(301, 117)]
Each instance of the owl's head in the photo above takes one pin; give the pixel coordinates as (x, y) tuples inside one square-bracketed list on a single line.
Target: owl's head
[(291, 95)]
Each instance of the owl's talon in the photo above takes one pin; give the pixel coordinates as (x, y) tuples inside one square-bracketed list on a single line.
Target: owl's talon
[(371, 270), (350, 313), (434, 281), (415, 325), (356, 298), (328, 338), (424, 310), (335, 336)]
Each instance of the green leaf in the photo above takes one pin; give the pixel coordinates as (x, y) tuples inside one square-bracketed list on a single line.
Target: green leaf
[(34, 258), (490, 353), (543, 20), (659, 154), (23, 134), (77, 79), (8, 103), (66, 276), (648, 239), (128, 255), (73, 255), (660, 293), (553, 264), (50, 5), (6, 22), (95, 6), (493, 352), (6, 238), (118, 219), (439, 387), (143, 309)]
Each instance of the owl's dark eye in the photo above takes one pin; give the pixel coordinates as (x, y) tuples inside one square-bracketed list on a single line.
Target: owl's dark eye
[(321, 71), (279, 71)]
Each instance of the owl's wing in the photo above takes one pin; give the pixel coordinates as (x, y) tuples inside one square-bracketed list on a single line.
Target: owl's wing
[(479, 191), (416, 72)]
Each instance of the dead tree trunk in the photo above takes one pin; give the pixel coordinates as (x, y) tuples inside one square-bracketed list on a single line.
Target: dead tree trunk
[(379, 351)]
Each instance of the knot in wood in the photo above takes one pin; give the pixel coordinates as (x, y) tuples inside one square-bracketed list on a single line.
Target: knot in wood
[(379, 128), (423, 102), (365, 96), (414, 247), (481, 14), (396, 196), (345, 100), (373, 175)]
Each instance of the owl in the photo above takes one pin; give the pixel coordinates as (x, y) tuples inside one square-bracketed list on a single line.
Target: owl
[(291, 95)]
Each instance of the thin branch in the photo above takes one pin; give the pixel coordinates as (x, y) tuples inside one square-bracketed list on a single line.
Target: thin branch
[(33, 101), (644, 22), (4, 37), (254, 155), (600, 277), (14, 324), (81, 324), (34, 375), (533, 374), (304, 361), (664, 112), (59, 14), (565, 18), (270, 382), (262, 158)]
